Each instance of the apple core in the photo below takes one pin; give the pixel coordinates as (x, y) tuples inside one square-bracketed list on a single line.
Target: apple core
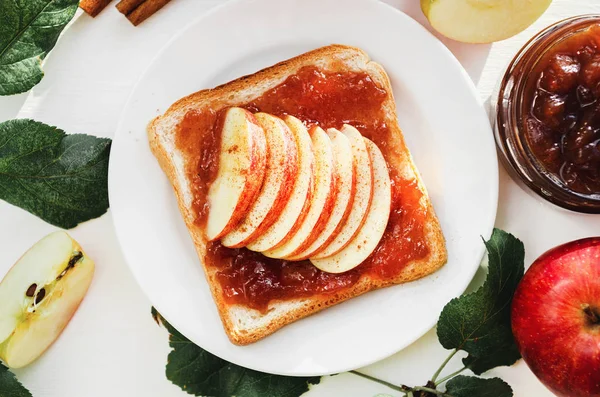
[(592, 316)]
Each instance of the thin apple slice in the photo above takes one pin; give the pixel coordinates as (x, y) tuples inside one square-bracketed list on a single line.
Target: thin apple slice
[(297, 207), (362, 196), (321, 202), (482, 21), (39, 295), (370, 233), (346, 185), (280, 175), (242, 165)]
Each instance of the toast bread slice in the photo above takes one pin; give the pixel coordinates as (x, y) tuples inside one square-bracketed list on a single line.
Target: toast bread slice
[(242, 324)]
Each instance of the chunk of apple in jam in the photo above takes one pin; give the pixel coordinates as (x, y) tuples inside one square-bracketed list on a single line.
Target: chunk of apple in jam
[(561, 75), (590, 74), (39, 295), (482, 21), (551, 109)]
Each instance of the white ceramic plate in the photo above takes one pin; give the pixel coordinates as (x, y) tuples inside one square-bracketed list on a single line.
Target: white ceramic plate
[(446, 129)]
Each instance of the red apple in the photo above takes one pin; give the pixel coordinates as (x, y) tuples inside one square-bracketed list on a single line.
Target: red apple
[(556, 318)]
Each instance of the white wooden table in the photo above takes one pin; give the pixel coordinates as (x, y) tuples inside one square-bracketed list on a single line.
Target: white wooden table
[(112, 347)]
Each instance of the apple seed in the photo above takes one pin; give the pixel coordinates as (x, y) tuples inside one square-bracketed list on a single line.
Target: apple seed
[(74, 259), (31, 290), (40, 295)]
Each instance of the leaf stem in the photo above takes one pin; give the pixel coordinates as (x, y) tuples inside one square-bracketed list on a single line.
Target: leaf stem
[(429, 390), (408, 391), (381, 382), (452, 375), (439, 371)]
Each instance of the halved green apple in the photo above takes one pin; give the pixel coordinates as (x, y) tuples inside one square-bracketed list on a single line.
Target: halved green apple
[(482, 21), (39, 295)]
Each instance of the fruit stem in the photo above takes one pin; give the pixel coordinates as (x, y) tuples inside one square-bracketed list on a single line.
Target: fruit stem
[(439, 371), (592, 316)]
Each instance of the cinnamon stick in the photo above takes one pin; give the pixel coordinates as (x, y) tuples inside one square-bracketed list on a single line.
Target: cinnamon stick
[(93, 7), (125, 7), (137, 11)]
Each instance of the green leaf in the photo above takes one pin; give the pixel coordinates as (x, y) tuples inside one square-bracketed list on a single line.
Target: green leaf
[(61, 178), (200, 373), (469, 386), (29, 29), (10, 386), (506, 354), (479, 323)]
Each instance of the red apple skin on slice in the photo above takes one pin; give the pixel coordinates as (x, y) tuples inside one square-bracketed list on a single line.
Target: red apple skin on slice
[(362, 196), (242, 167), (556, 318), (322, 200), (373, 228), (296, 209), (278, 183), (346, 186)]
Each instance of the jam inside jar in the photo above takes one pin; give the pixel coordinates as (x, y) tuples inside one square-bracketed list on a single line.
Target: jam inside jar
[(561, 117)]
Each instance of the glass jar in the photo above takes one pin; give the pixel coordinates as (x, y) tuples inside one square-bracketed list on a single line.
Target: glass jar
[(515, 103)]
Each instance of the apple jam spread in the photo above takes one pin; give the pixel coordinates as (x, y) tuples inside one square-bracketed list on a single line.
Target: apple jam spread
[(328, 100), (562, 121)]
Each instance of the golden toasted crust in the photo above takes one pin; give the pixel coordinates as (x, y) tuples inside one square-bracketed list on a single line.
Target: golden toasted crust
[(244, 325)]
